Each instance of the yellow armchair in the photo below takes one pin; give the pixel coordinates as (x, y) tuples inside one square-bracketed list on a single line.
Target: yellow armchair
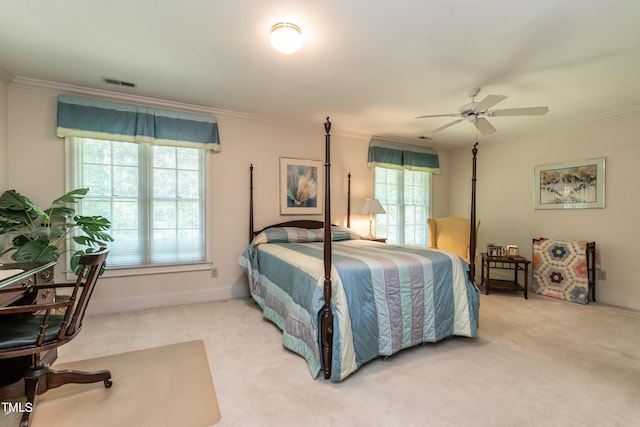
[(451, 234)]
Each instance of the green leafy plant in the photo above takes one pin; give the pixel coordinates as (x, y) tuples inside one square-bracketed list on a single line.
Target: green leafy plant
[(38, 234)]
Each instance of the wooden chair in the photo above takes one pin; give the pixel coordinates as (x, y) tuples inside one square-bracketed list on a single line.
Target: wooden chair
[(451, 234), (28, 331)]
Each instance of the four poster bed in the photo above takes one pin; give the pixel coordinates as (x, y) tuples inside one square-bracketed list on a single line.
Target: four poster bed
[(342, 300)]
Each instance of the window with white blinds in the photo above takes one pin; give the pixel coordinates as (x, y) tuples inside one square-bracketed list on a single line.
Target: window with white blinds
[(405, 196), (153, 195)]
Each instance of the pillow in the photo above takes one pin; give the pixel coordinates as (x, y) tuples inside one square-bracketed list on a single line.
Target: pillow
[(288, 235), (303, 235), (342, 233)]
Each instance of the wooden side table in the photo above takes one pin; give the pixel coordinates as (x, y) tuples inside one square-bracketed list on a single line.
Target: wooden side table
[(516, 264)]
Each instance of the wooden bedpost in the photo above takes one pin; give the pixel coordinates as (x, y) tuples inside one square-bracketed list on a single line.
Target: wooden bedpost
[(326, 319), (349, 200), (250, 202), (472, 222)]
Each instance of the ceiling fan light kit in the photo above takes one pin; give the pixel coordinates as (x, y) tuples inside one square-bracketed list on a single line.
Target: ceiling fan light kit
[(475, 112)]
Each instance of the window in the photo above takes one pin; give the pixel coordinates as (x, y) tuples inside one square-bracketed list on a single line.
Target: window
[(405, 196), (153, 195)]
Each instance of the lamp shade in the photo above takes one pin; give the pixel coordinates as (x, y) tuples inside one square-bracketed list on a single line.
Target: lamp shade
[(286, 37), (371, 207)]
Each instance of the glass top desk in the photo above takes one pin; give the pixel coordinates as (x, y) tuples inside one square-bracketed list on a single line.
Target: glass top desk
[(19, 286), (20, 280)]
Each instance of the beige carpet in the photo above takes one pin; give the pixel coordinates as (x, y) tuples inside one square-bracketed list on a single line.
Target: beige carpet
[(163, 386), (536, 362)]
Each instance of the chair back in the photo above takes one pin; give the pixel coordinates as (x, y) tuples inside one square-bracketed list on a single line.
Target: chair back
[(450, 234), (90, 267), (38, 327)]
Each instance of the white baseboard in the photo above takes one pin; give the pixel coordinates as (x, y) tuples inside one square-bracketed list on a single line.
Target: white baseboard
[(164, 300)]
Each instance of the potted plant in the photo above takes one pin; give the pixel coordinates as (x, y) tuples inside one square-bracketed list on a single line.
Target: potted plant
[(38, 235)]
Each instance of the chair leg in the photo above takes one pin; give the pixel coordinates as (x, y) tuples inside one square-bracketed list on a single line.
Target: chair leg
[(42, 378), (31, 385), (58, 378)]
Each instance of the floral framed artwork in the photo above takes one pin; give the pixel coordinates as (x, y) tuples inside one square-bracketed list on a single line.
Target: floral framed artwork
[(300, 186), (570, 185)]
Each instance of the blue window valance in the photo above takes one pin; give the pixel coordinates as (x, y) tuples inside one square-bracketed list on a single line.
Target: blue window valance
[(91, 118), (396, 155)]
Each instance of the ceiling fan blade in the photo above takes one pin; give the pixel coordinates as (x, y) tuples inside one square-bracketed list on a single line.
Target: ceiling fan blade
[(484, 126), (447, 125), (438, 115), (530, 111), (489, 102)]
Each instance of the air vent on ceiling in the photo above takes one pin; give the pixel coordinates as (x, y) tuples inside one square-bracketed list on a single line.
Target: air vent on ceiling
[(118, 82)]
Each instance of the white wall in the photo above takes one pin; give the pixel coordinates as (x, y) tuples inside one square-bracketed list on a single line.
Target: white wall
[(440, 190), (505, 197), (35, 167), (32, 161), (4, 132)]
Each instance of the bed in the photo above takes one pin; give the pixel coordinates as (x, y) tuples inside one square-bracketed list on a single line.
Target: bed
[(342, 301)]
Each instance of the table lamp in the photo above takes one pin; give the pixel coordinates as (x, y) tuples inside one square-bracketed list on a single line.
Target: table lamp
[(371, 207)]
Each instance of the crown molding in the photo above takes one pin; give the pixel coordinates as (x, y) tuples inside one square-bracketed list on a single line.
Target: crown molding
[(68, 89), (604, 116), (573, 124), (6, 76)]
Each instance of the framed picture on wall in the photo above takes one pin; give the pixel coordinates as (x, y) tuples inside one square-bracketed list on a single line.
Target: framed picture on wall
[(570, 185), (300, 186)]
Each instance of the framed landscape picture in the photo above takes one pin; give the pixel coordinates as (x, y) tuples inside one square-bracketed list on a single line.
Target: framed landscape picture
[(300, 186), (571, 185)]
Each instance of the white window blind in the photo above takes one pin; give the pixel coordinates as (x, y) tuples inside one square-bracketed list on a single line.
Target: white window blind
[(405, 196), (153, 195)]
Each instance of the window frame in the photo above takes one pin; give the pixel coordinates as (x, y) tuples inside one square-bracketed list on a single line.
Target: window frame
[(136, 270), (402, 206)]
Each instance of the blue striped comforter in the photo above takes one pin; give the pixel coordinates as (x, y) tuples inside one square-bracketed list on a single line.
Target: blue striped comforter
[(385, 298)]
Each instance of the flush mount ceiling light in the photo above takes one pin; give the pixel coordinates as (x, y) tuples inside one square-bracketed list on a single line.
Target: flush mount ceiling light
[(286, 37)]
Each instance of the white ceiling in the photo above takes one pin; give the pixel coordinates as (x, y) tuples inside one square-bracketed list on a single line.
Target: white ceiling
[(371, 65)]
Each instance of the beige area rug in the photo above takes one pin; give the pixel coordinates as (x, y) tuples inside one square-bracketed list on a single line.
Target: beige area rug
[(164, 386)]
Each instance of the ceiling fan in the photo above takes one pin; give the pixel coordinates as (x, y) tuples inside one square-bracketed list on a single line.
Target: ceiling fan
[(475, 112)]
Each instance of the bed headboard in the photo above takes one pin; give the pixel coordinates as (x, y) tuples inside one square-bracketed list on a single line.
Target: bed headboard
[(300, 223)]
